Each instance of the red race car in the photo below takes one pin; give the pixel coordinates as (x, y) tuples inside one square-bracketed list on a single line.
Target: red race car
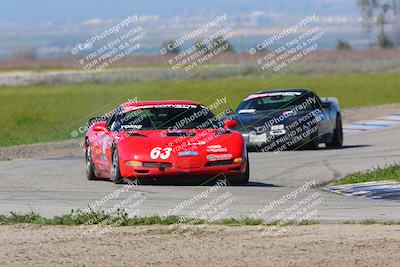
[(162, 140)]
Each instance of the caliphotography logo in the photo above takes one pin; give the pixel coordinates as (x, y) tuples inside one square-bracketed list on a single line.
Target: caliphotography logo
[(192, 133), (110, 46)]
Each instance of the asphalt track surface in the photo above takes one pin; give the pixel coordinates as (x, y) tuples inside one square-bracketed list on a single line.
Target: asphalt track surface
[(54, 186)]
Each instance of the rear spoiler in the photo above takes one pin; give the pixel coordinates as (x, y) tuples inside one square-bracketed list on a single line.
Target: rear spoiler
[(330, 99)]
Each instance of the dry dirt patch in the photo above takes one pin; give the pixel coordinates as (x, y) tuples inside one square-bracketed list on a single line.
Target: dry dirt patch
[(317, 245)]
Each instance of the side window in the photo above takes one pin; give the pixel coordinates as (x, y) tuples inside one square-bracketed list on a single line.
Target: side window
[(110, 122), (318, 103)]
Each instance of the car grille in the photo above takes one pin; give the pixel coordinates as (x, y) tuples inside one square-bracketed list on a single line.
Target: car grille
[(157, 165), (219, 163)]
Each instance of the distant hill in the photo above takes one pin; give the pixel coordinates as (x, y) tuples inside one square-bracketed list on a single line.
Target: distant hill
[(54, 27), (27, 11)]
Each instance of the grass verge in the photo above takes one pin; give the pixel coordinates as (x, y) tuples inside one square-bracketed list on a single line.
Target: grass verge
[(372, 222), (120, 218), (390, 172), (43, 113)]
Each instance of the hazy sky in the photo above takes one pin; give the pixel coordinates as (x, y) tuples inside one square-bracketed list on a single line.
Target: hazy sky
[(25, 11)]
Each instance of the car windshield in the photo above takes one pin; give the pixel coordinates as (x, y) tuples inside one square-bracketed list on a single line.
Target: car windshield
[(273, 101), (171, 117)]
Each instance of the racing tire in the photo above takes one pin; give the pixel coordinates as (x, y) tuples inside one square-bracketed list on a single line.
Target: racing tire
[(337, 140), (313, 143), (115, 172), (89, 163), (242, 179)]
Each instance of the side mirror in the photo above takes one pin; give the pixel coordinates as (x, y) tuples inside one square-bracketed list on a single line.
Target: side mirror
[(100, 127), (230, 124)]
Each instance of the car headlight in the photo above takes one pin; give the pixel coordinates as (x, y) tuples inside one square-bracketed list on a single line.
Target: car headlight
[(238, 160), (134, 163)]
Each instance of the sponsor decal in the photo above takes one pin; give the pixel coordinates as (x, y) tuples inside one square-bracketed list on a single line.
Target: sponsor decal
[(277, 130), (159, 152), (188, 154), (130, 126), (216, 149), (200, 143), (278, 127), (243, 111), (273, 94), (215, 157), (183, 106), (105, 143), (103, 168), (260, 138)]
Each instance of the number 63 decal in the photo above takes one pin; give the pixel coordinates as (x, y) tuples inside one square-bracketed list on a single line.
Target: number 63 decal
[(159, 152)]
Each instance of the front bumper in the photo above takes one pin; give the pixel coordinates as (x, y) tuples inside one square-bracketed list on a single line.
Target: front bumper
[(174, 171)]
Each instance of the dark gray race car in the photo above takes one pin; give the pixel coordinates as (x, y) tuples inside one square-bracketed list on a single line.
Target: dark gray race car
[(289, 119)]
